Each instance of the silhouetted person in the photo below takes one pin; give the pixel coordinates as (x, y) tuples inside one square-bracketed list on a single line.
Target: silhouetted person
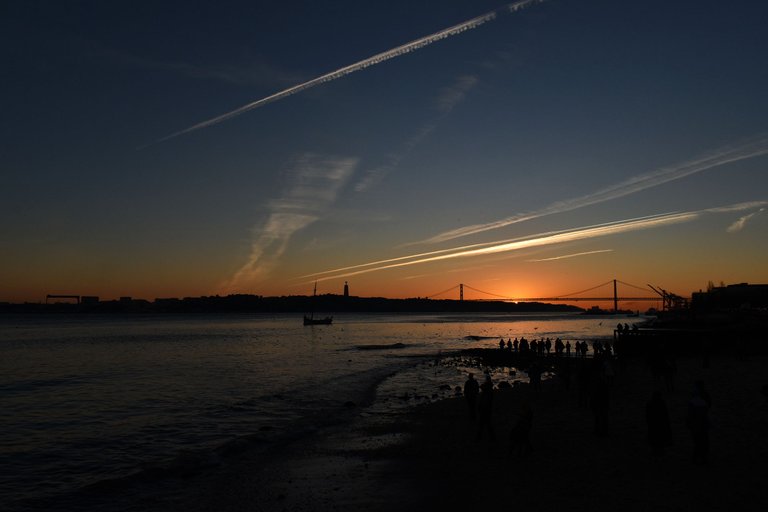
[(658, 363), (565, 375), (697, 422), (520, 435), (706, 349), (485, 409), (699, 386), (669, 372), (509, 345), (618, 349), (608, 371), (600, 403), (502, 344), (568, 349), (534, 376), (584, 379), (471, 390), (657, 417)]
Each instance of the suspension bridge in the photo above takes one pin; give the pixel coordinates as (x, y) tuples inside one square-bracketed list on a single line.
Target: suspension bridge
[(667, 299)]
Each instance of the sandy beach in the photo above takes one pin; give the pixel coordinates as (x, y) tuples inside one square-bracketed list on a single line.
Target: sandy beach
[(430, 458)]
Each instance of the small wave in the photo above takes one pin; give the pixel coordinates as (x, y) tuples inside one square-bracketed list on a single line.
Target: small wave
[(382, 347), (31, 385), (185, 464)]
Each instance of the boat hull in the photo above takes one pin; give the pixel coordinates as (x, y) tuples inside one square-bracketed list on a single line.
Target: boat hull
[(318, 321)]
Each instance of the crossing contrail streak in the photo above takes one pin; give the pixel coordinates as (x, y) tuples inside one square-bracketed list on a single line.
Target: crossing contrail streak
[(568, 256), (537, 240), (357, 66), (751, 149)]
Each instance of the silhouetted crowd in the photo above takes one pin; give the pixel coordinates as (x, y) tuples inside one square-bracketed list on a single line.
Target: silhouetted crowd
[(595, 378)]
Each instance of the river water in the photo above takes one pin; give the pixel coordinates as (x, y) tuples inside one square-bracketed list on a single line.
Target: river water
[(86, 399)]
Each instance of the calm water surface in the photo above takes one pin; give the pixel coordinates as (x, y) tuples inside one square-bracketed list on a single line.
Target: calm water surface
[(85, 399)]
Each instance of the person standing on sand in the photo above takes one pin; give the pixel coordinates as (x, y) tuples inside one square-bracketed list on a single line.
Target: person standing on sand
[(584, 380), (485, 408), (697, 421), (599, 400), (519, 437), (534, 376), (657, 417), (471, 389)]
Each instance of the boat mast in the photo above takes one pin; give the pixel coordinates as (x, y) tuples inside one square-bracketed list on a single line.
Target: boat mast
[(312, 309)]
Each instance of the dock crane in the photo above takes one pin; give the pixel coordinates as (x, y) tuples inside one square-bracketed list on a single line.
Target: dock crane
[(669, 300)]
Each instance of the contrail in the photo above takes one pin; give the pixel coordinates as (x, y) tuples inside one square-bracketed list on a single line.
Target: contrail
[(316, 181), (428, 256), (567, 256), (753, 148), (541, 239), (739, 224), (357, 66), (535, 241)]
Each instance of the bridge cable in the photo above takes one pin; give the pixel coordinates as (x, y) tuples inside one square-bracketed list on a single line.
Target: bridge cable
[(645, 289), (587, 290), (488, 293), (442, 292)]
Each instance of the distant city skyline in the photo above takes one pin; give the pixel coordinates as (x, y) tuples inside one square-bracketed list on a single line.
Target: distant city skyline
[(527, 149)]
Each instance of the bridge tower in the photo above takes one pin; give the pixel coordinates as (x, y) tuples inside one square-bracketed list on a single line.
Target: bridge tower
[(615, 298), (461, 292)]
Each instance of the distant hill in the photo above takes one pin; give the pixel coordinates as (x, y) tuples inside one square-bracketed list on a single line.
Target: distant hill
[(321, 304)]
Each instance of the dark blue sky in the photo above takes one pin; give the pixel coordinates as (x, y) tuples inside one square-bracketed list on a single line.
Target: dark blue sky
[(546, 105)]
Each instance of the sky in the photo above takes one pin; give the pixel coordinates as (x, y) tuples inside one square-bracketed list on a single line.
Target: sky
[(533, 149)]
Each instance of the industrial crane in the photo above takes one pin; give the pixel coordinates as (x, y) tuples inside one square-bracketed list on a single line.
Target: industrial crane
[(669, 300)]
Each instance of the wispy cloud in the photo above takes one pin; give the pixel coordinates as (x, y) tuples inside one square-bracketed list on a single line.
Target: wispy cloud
[(575, 255), (751, 149), (256, 73), (446, 101), (359, 65), (538, 240), (314, 184), (451, 96), (739, 224)]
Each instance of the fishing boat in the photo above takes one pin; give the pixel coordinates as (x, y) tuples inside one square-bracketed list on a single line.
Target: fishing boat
[(311, 320)]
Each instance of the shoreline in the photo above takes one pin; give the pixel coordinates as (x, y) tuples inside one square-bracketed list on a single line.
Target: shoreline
[(426, 456), (429, 457)]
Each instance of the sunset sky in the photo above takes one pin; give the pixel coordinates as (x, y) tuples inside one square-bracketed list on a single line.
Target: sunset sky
[(525, 150)]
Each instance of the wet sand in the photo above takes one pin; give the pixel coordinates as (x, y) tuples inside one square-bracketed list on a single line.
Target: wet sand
[(430, 459)]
